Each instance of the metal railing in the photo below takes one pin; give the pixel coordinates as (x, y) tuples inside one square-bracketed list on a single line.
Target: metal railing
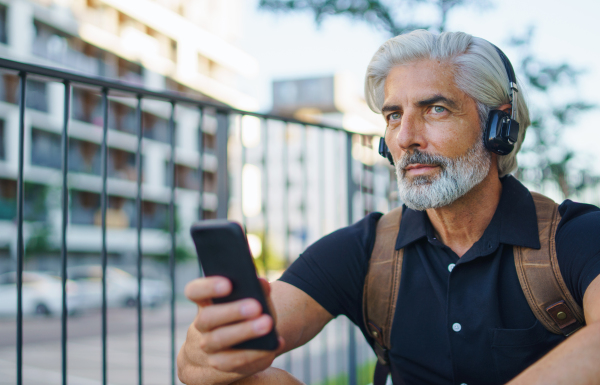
[(287, 181)]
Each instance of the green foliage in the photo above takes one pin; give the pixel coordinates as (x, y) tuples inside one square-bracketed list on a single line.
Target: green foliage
[(39, 241), (544, 156), (393, 17), (364, 376), (270, 259)]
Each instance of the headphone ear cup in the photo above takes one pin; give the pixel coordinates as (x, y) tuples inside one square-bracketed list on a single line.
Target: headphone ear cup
[(385, 151), (499, 131)]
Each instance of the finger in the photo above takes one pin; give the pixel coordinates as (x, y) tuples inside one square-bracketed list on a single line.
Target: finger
[(203, 289), (242, 361), (211, 317), (225, 337)]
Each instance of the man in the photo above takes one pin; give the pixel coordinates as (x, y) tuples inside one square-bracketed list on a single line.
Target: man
[(461, 317)]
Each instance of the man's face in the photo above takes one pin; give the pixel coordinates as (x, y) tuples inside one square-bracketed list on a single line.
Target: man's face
[(434, 135)]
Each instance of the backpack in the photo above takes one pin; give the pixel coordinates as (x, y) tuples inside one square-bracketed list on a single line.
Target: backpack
[(538, 272)]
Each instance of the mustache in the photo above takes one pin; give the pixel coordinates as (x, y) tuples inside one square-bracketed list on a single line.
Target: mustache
[(420, 157)]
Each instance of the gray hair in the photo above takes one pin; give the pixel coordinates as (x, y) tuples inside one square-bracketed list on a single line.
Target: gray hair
[(478, 70)]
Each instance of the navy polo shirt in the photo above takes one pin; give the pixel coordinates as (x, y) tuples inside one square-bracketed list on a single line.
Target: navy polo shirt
[(458, 320)]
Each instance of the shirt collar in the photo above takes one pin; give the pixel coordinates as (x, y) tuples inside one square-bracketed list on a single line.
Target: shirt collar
[(513, 223)]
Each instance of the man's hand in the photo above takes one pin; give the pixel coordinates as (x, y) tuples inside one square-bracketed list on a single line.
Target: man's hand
[(207, 356)]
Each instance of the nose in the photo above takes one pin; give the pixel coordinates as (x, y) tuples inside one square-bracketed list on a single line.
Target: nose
[(406, 136)]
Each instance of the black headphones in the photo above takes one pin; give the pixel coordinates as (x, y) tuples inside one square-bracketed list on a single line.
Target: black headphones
[(501, 130)]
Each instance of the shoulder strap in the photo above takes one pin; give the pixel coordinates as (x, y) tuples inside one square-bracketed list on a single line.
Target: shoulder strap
[(382, 283), (540, 277)]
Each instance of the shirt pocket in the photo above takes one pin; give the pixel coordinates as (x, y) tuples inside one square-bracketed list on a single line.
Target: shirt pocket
[(514, 350)]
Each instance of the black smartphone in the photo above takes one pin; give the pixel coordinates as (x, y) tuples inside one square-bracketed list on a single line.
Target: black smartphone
[(223, 250)]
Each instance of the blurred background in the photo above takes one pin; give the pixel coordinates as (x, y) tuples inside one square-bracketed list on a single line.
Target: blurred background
[(295, 59)]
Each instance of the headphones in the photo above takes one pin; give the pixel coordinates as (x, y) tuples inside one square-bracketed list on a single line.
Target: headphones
[(501, 130)]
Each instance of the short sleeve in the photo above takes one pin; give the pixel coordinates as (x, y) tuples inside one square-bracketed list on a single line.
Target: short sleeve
[(332, 270), (578, 246)]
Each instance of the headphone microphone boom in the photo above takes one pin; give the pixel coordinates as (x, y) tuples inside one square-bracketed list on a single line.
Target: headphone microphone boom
[(501, 130)]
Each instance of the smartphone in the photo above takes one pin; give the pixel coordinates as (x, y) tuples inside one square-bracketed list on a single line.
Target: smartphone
[(223, 250)]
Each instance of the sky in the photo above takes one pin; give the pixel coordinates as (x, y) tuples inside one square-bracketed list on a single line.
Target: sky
[(291, 46)]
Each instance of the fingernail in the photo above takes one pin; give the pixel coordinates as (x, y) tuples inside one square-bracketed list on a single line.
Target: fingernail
[(261, 325), (221, 287), (248, 309)]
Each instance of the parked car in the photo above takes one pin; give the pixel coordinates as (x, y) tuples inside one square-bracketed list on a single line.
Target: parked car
[(121, 287), (41, 293)]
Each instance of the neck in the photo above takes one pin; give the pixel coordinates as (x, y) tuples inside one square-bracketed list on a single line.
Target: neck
[(462, 223)]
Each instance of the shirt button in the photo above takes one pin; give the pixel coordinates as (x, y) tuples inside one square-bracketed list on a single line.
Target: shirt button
[(451, 266), (456, 327)]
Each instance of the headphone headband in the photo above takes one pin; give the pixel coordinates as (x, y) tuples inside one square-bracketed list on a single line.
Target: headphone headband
[(512, 81)]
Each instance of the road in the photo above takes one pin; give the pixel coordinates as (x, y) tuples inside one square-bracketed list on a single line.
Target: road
[(119, 321), (327, 353)]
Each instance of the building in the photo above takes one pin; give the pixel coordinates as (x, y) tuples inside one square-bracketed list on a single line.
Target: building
[(187, 46)]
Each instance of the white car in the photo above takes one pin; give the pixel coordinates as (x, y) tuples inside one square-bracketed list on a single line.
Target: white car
[(42, 294), (121, 287)]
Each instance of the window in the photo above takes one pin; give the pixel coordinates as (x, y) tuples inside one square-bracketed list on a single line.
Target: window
[(154, 215), (34, 201), (45, 149), (155, 128), (86, 107), (3, 35), (121, 164), (185, 177), (36, 94), (84, 157), (122, 118), (8, 199), (2, 141), (84, 206), (65, 49)]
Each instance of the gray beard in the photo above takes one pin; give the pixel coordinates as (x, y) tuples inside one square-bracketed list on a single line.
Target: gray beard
[(457, 177)]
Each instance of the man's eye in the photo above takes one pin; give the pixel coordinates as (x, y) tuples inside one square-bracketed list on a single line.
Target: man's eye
[(394, 116), (438, 109)]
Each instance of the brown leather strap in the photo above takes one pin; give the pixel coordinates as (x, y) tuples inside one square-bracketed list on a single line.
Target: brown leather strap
[(382, 283), (540, 277)]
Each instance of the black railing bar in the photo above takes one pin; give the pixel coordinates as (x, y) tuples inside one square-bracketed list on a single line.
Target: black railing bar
[(350, 193), (339, 141), (100, 82), (363, 177), (20, 248), (322, 221), (138, 158), (305, 220), (65, 217), (242, 163), (104, 255), (265, 163), (201, 164), (285, 215), (173, 240)]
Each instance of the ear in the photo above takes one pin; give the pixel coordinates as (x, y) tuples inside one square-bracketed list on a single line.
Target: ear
[(505, 107)]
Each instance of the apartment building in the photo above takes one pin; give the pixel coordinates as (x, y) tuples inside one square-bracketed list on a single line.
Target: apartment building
[(186, 46)]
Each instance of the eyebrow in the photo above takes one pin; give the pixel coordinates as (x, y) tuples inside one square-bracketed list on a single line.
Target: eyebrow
[(425, 102), (394, 107), (436, 99)]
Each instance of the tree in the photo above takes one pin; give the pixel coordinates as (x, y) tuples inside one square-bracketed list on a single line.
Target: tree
[(392, 17), (544, 158)]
